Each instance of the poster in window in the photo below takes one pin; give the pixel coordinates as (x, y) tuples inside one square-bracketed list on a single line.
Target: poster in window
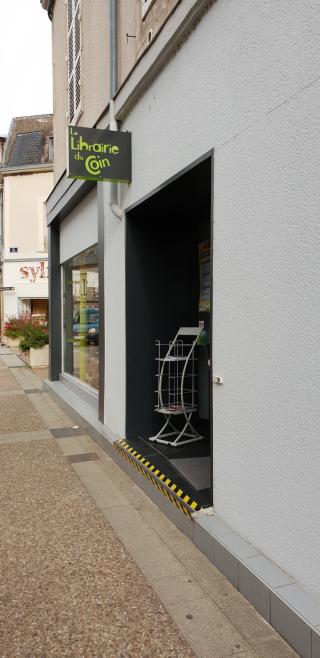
[(205, 277)]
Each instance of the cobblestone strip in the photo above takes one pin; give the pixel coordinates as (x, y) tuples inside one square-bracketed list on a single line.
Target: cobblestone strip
[(26, 378), (25, 437), (49, 411)]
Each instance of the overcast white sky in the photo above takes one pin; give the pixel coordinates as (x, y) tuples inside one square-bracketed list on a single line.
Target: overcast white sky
[(25, 61)]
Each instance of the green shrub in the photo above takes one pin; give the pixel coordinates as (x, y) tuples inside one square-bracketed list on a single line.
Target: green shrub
[(35, 336)]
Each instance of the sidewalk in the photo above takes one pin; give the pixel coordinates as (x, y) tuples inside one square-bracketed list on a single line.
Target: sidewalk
[(90, 568)]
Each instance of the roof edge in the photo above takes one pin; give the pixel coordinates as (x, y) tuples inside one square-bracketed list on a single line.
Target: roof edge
[(27, 169)]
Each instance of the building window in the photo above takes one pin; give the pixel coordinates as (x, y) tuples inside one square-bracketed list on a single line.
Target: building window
[(81, 317), (74, 60), (145, 6), (50, 148)]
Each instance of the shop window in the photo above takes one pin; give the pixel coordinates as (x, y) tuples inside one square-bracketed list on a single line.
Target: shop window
[(50, 148), (74, 60), (81, 317)]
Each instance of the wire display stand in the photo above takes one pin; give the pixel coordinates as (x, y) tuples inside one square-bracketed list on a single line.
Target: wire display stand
[(176, 387)]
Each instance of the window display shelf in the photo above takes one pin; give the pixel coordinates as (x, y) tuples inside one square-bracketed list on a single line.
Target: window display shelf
[(173, 358), (175, 410), (176, 365)]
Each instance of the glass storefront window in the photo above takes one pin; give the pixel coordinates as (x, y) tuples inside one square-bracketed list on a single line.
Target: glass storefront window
[(81, 317)]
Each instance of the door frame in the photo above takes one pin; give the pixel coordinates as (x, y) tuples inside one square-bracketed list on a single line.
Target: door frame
[(209, 155)]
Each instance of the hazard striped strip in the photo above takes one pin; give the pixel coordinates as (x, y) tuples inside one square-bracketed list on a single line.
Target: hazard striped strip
[(168, 488)]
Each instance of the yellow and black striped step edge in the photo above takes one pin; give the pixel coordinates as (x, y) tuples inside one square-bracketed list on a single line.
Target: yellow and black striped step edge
[(168, 488)]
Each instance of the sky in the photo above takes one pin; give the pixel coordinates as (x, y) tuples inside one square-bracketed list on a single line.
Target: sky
[(25, 61)]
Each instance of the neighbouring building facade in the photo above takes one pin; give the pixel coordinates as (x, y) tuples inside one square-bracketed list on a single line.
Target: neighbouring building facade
[(27, 174), (219, 229), (2, 147)]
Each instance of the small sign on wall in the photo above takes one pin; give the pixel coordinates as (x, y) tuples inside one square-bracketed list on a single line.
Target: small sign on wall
[(100, 155), (13, 250)]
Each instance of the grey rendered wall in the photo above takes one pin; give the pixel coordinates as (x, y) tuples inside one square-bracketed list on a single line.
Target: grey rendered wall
[(79, 229), (246, 83)]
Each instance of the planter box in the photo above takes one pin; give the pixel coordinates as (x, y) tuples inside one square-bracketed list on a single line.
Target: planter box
[(12, 342), (39, 358)]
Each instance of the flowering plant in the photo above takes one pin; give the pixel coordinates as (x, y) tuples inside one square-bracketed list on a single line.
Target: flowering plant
[(32, 331), (11, 328)]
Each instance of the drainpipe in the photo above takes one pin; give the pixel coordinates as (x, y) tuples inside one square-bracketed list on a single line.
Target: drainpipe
[(113, 16)]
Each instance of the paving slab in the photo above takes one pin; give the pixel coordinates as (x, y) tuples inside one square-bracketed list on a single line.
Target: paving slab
[(208, 632), (27, 378), (12, 361), (274, 647), (25, 437)]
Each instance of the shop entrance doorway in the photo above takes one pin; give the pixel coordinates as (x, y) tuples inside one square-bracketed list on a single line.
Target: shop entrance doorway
[(39, 309), (168, 287)]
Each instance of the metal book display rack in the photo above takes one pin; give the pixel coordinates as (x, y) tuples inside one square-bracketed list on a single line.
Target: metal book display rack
[(176, 389)]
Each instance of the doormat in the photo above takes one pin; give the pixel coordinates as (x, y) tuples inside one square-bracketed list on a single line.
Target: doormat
[(194, 469)]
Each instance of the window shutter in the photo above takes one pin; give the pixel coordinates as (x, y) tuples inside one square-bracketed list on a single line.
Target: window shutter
[(74, 59)]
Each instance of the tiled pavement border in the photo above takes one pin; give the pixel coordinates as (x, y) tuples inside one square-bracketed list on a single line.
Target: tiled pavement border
[(18, 437), (82, 457), (26, 378), (215, 619), (64, 432), (282, 602)]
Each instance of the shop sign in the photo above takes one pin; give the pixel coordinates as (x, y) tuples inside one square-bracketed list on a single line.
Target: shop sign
[(100, 155), (32, 273)]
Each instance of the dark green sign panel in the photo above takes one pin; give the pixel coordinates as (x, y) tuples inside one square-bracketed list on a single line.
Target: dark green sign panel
[(100, 155)]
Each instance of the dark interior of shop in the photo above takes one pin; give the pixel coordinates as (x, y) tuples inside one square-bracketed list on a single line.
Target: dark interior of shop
[(163, 235)]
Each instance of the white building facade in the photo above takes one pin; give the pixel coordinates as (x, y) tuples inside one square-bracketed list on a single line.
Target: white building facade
[(27, 180), (223, 111)]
